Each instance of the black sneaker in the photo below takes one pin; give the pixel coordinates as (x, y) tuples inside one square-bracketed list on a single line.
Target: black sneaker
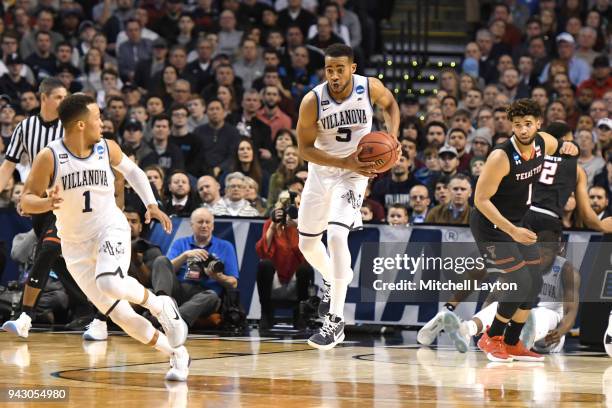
[(325, 299), (329, 335)]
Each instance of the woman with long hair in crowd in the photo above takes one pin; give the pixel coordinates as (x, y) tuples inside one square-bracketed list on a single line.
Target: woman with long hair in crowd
[(156, 175), (449, 82), (93, 64), (227, 97), (247, 162), (251, 194), (169, 76), (284, 138), (290, 162)]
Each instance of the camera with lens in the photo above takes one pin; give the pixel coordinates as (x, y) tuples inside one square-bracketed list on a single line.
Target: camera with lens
[(197, 267), (289, 209)]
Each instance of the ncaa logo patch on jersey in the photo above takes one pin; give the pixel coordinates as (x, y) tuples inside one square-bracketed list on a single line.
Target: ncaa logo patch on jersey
[(556, 269), (100, 151), (360, 89), (517, 158)]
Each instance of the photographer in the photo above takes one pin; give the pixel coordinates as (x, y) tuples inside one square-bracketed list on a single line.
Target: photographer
[(282, 270), (203, 267)]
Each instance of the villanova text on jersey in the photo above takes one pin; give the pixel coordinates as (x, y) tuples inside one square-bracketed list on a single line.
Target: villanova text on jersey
[(84, 178), (343, 118)]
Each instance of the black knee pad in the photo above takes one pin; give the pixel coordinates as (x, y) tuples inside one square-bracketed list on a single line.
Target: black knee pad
[(510, 301)]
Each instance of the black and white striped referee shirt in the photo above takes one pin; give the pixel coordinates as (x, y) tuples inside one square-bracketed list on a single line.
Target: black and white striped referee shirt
[(31, 136)]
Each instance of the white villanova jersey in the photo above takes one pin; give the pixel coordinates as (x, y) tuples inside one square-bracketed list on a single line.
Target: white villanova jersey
[(340, 126), (551, 295), (88, 189)]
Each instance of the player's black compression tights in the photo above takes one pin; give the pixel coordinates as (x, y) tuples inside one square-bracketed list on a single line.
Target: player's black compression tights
[(46, 257), (510, 301)]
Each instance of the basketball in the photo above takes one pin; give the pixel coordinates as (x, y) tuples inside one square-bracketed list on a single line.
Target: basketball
[(379, 147)]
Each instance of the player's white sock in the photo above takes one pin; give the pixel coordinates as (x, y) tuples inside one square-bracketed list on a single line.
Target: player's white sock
[(162, 344), (151, 302), (337, 240), (472, 327), (316, 254)]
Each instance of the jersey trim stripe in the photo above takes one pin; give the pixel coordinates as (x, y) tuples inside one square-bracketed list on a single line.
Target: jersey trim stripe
[(369, 97), (318, 104), (110, 166), (54, 167), (76, 157), (310, 235)]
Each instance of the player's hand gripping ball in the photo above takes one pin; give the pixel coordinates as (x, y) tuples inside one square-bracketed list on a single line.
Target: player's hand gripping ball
[(380, 148)]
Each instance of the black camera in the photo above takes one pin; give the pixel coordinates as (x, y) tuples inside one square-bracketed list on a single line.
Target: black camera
[(289, 208), (196, 267)]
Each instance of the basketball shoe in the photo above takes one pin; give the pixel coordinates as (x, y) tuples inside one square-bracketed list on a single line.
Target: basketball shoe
[(179, 365), (519, 352), (96, 331), (430, 331), (329, 335), (608, 337), (170, 319), (494, 348), (20, 327), (325, 299), (456, 331)]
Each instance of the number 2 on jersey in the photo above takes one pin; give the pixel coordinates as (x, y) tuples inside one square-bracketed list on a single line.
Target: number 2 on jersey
[(344, 135), (87, 195), (548, 173)]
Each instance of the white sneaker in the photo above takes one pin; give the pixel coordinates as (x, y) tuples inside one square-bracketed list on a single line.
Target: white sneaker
[(179, 365), (608, 341), (173, 324), (96, 331), (20, 327), (430, 331), (456, 331)]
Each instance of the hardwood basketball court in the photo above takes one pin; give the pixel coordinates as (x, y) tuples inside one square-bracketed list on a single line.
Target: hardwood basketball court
[(266, 372)]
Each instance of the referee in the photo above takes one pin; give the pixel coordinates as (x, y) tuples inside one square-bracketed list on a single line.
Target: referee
[(31, 136)]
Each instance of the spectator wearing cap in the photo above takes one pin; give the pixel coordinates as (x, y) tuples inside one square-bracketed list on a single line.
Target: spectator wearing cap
[(44, 22), (294, 14), (395, 186), (189, 143), (219, 139), (604, 134), (591, 163), (229, 36), (600, 81), (12, 83), (457, 210), (148, 69), (42, 60), (165, 154), (168, 26), (201, 68), (457, 138), (449, 161), (133, 138), (579, 70), (142, 16), (482, 142), (249, 65), (133, 50)]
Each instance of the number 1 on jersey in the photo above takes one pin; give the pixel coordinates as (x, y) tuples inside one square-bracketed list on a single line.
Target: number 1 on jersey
[(529, 195), (87, 195)]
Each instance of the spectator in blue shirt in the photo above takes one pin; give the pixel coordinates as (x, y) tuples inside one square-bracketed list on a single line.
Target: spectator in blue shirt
[(197, 285), (579, 69)]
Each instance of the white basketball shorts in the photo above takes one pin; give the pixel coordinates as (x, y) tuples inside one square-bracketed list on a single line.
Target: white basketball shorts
[(331, 196), (107, 253)]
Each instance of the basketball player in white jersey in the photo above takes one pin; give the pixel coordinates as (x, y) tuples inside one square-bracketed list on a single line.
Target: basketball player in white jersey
[(76, 174), (333, 118), (549, 321)]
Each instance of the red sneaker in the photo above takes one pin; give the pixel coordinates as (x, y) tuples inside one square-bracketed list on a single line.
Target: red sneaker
[(494, 348), (521, 353)]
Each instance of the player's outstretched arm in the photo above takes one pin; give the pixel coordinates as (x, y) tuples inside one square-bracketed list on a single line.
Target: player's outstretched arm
[(571, 293), (494, 170), (34, 200), (382, 97), (140, 183), (6, 172), (307, 134), (585, 212)]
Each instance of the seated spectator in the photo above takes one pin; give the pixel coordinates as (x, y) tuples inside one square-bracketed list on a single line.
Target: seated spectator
[(219, 140), (432, 166), (144, 253), (249, 66), (290, 163), (457, 138), (156, 175), (457, 210), (42, 60), (133, 138), (325, 35), (284, 138), (247, 163), (197, 112), (181, 202), (604, 134), (441, 195), (299, 77), (367, 215), (209, 191), (599, 200), (282, 272), (397, 215), (600, 81), (419, 202), (203, 265), (578, 69), (591, 163), (395, 186), (188, 142), (165, 154), (229, 37), (233, 203), (227, 98), (271, 114), (13, 83), (253, 197), (435, 134)]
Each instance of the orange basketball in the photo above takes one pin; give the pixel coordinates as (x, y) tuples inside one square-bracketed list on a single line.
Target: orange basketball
[(379, 147)]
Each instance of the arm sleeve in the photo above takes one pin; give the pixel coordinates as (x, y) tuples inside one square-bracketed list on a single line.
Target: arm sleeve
[(137, 179), (15, 147)]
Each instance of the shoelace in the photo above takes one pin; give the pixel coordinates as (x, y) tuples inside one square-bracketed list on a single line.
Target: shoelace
[(326, 290), (329, 327)]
